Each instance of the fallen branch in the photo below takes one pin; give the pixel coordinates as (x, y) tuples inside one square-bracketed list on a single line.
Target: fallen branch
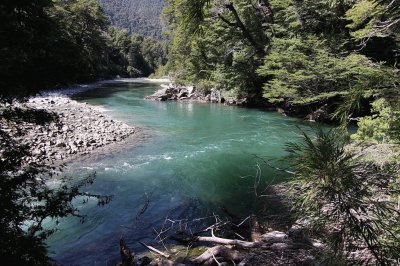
[(155, 250), (211, 254), (225, 241)]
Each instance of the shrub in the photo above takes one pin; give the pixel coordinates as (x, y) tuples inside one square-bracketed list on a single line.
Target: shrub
[(353, 202)]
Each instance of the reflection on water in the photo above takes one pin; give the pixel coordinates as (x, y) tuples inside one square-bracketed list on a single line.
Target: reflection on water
[(200, 157)]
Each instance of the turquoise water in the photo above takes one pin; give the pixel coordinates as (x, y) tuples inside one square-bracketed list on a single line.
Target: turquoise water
[(198, 158)]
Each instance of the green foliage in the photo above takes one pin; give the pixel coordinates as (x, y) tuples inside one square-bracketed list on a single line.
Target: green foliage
[(353, 202), (191, 13), (26, 199), (81, 24), (299, 69), (287, 18), (313, 53), (383, 126), (371, 18), (375, 26), (215, 43), (154, 53)]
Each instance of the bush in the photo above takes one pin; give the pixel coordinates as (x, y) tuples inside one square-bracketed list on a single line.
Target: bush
[(382, 126), (353, 202)]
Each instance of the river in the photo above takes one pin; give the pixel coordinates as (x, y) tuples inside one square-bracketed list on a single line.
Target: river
[(199, 157)]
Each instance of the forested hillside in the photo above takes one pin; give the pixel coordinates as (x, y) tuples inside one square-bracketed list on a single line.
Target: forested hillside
[(139, 16)]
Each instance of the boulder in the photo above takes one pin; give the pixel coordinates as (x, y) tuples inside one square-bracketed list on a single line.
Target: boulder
[(37, 152)]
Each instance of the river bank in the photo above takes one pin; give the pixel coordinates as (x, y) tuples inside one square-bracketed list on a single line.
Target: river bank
[(59, 129), (315, 112)]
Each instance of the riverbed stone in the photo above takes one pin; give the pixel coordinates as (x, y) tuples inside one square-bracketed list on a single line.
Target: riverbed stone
[(77, 129)]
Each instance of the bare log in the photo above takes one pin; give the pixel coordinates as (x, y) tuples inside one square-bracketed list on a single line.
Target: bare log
[(218, 251), (155, 250), (225, 241)]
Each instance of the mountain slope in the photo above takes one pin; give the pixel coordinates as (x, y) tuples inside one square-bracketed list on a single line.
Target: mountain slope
[(139, 16)]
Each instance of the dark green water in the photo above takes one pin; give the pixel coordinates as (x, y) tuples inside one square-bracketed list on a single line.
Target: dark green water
[(199, 157)]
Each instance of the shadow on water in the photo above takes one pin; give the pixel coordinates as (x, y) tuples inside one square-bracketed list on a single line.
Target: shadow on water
[(103, 91)]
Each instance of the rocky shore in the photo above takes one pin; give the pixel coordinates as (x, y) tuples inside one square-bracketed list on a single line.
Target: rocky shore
[(315, 112), (75, 128), (181, 92)]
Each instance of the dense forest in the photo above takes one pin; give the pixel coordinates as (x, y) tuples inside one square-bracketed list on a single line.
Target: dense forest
[(336, 61), (73, 41), (299, 55), (138, 16)]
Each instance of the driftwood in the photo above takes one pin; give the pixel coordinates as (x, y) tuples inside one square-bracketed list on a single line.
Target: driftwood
[(272, 243), (155, 250), (272, 248), (212, 254), (225, 241)]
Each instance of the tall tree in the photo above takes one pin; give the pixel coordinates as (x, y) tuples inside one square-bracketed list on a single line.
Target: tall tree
[(217, 43), (25, 29)]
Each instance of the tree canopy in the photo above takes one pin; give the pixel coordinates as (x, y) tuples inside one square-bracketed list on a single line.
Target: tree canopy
[(291, 53)]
